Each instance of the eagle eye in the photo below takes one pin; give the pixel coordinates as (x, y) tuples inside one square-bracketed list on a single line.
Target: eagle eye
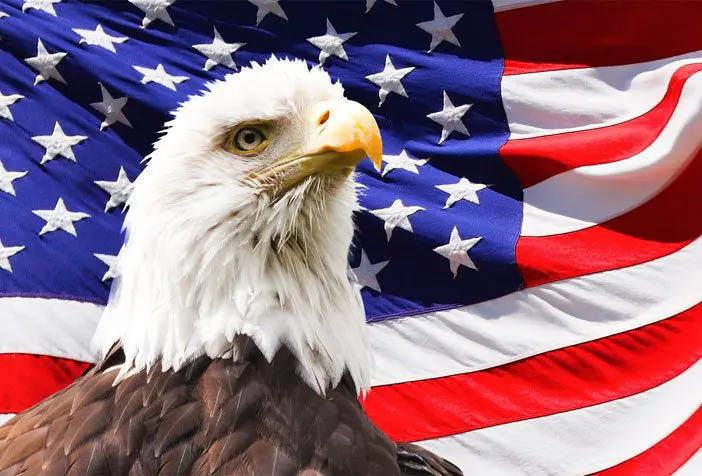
[(248, 140)]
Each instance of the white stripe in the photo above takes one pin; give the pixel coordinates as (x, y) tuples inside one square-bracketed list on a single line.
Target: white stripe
[(692, 467), (584, 196), (578, 442), (467, 339), (5, 417), (502, 5), (48, 326), (536, 320), (553, 102)]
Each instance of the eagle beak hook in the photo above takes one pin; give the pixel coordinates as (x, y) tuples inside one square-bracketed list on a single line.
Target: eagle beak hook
[(349, 129)]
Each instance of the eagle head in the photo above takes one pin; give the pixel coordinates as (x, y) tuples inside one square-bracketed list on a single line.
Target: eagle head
[(241, 224)]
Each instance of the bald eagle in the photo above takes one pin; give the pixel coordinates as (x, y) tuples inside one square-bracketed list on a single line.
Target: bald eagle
[(233, 342)]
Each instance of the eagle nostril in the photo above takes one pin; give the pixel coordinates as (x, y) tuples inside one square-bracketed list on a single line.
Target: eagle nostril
[(323, 118)]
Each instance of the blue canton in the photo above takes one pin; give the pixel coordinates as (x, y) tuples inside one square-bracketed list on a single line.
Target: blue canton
[(85, 88)]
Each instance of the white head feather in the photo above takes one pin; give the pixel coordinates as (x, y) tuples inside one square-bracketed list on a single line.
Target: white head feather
[(208, 257)]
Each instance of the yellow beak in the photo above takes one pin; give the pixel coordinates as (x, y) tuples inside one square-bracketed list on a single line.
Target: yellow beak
[(349, 129), (344, 133)]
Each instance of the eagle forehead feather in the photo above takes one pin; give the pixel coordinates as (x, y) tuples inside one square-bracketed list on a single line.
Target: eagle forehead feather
[(271, 89)]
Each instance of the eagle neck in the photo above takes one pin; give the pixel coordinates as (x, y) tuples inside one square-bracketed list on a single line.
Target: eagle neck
[(276, 272)]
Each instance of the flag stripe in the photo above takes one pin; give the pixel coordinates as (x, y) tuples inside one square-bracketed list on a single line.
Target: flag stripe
[(580, 33), (53, 327), (438, 344), (581, 441), (655, 229), (587, 374), (566, 312), (692, 467), (539, 158), (612, 189), (502, 5), (556, 102), (5, 416), (27, 379), (666, 456)]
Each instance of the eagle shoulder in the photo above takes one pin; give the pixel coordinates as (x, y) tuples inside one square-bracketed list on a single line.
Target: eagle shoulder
[(213, 416)]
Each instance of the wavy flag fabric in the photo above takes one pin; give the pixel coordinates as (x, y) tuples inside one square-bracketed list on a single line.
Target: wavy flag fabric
[(529, 255)]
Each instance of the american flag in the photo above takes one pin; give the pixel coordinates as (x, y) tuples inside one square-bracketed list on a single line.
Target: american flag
[(530, 252)]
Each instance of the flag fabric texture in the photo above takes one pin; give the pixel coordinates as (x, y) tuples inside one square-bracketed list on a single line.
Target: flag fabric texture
[(529, 255)]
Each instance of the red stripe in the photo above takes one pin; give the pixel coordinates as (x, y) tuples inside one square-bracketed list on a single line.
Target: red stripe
[(582, 33), (666, 456), (655, 229), (28, 379), (553, 382), (538, 158)]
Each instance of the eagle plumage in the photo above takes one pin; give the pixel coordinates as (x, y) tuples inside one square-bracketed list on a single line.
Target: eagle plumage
[(234, 342), (213, 416)]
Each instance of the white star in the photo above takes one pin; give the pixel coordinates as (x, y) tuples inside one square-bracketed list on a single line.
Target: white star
[(367, 274), (6, 102), (402, 161), (6, 179), (154, 10), (396, 215), (331, 43), (59, 218), (58, 143), (99, 37), (389, 80), (5, 253), (456, 251), (111, 262), (440, 28), (218, 52), (43, 5), (451, 118), (111, 108), (3, 14), (268, 6), (463, 190), (119, 190), (160, 76), (46, 63), (370, 3)]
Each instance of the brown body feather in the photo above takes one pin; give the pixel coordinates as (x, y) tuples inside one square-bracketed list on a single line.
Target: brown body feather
[(224, 417)]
